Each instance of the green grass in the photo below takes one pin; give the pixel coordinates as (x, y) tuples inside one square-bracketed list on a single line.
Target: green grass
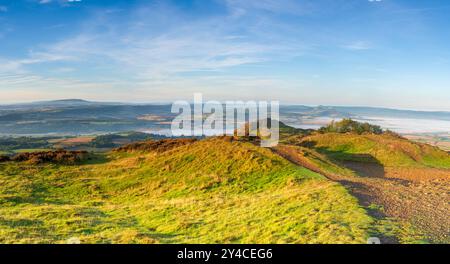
[(388, 150), (211, 191)]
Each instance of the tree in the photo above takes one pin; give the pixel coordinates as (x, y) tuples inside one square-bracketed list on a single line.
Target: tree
[(348, 125)]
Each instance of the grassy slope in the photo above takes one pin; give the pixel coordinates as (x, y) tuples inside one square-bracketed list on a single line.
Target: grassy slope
[(425, 168), (388, 150), (210, 191)]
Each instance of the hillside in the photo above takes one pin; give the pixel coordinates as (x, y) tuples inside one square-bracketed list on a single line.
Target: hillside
[(206, 191), (312, 188), (407, 180), (386, 149)]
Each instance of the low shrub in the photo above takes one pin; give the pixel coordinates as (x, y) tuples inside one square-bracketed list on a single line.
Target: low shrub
[(156, 145), (4, 158), (58, 156)]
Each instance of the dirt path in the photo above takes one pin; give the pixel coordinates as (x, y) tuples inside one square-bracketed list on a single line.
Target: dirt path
[(421, 196)]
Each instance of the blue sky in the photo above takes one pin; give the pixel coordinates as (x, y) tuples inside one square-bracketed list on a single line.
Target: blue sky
[(389, 53)]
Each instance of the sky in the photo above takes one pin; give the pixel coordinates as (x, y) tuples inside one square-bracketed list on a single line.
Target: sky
[(383, 53)]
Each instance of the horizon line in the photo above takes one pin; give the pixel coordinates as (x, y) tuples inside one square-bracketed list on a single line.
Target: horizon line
[(170, 102)]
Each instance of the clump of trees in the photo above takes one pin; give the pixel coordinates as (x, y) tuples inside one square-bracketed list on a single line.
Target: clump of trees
[(351, 126), (9, 144), (58, 156)]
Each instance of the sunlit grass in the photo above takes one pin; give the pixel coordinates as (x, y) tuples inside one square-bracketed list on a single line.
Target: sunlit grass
[(388, 150), (211, 191)]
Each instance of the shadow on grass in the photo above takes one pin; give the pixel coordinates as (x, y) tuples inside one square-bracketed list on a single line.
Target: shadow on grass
[(95, 159), (365, 165), (20, 222)]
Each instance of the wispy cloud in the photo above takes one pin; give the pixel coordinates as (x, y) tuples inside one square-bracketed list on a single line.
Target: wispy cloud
[(148, 56), (184, 46), (62, 2), (273, 6), (358, 45), (157, 50), (23, 86), (185, 56)]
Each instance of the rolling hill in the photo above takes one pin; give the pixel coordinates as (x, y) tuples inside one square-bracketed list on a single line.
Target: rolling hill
[(207, 191), (387, 150)]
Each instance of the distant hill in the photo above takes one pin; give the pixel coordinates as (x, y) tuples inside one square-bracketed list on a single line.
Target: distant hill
[(284, 130), (354, 112), (76, 116), (65, 102), (53, 104)]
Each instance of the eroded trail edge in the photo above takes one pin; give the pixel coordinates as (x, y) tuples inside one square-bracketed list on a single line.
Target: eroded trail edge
[(419, 196)]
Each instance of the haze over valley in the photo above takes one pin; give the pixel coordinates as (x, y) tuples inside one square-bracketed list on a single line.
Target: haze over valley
[(75, 117)]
